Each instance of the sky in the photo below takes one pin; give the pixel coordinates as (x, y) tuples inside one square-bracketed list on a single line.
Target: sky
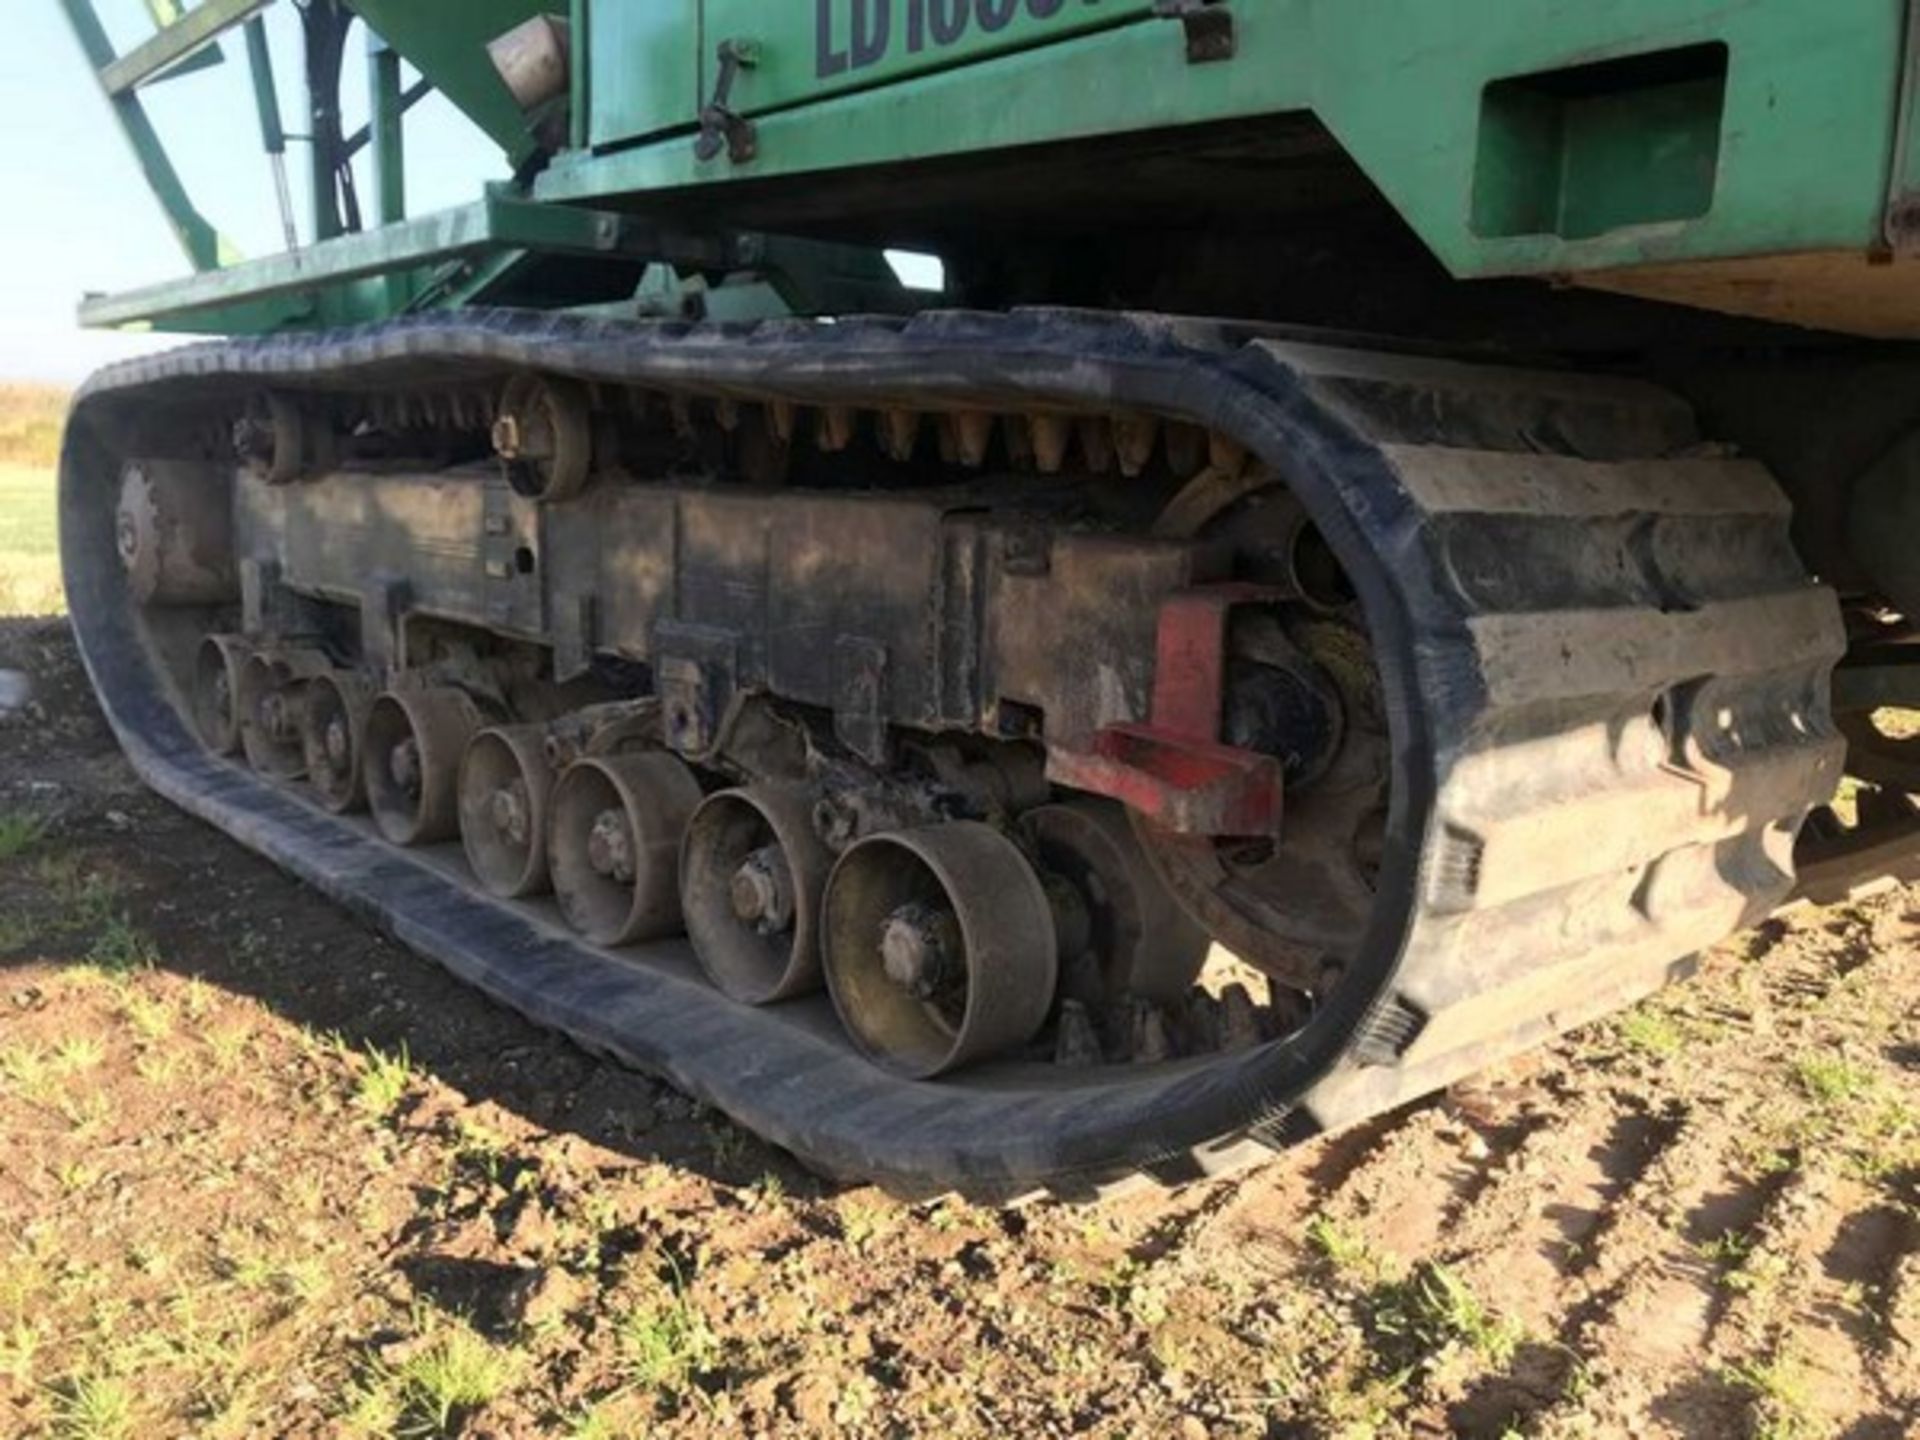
[(80, 215)]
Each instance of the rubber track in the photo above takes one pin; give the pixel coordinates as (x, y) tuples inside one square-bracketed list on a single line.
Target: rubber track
[(1605, 669)]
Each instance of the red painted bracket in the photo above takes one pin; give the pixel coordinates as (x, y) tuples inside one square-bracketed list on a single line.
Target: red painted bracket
[(1175, 771)]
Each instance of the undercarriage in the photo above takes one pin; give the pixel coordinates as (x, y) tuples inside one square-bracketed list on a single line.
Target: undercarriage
[(979, 752)]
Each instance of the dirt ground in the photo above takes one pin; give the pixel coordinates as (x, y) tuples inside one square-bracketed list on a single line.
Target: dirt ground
[(265, 1173)]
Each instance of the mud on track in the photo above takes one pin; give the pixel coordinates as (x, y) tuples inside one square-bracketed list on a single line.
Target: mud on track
[(218, 1215)]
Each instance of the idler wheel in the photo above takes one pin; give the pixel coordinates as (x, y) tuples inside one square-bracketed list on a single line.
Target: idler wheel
[(271, 701), (333, 738), (614, 845), (939, 947), (751, 874), (506, 783), (216, 692), (1146, 945), (174, 533), (414, 741)]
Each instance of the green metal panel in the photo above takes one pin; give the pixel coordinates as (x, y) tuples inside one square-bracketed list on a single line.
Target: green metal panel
[(205, 246), (193, 31), (446, 41), (1801, 149), (470, 234), (825, 47), (1561, 137), (643, 67), (1805, 136)]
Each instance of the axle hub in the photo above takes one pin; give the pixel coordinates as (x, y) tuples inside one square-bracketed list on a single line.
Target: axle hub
[(610, 847), (920, 948), (339, 741), (509, 810), (404, 765), (762, 890)]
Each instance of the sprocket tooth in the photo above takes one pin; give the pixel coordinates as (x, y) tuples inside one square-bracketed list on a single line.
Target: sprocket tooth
[(1135, 438), (1082, 981), (1096, 443), (901, 429), (1186, 450), (1201, 1021), (1225, 455), (1077, 1045), (1048, 436), (1239, 1019), (972, 437), (834, 431), (782, 416), (1151, 1042)]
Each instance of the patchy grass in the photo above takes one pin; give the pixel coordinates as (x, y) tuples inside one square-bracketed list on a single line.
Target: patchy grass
[(29, 552), (222, 1214), (32, 418)]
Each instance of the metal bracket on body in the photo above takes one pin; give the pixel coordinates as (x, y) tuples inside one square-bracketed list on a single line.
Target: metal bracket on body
[(721, 127), (1175, 770), (1209, 25)]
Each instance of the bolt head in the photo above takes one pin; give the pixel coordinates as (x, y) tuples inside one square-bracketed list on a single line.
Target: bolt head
[(509, 810), (919, 949), (339, 741), (610, 847), (403, 764), (762, 891)]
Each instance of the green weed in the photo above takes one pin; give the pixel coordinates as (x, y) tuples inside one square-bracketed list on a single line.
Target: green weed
[(384, 1081), (1651, 1033), (665, 1343), (120, 949), (19, 833), (92, 1407), (1830, 1080)]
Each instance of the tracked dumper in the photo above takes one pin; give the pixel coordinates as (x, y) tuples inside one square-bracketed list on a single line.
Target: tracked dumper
[(1335, 577)]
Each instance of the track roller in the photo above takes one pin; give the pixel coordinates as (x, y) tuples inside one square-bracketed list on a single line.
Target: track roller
[(939, 947), (216, 691), (613, 843), (333, 727), (1145, 944), (751, 873), (506, 782), (271, 696), (414, 741)]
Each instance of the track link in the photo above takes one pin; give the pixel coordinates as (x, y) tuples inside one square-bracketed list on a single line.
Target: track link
[(1605, 670)]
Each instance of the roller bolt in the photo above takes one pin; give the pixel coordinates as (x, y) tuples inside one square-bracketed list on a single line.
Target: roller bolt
[(126, 535), (339, 742), (920, 949), (403, 764), (610, 847), (762, 891), (511, 809)]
